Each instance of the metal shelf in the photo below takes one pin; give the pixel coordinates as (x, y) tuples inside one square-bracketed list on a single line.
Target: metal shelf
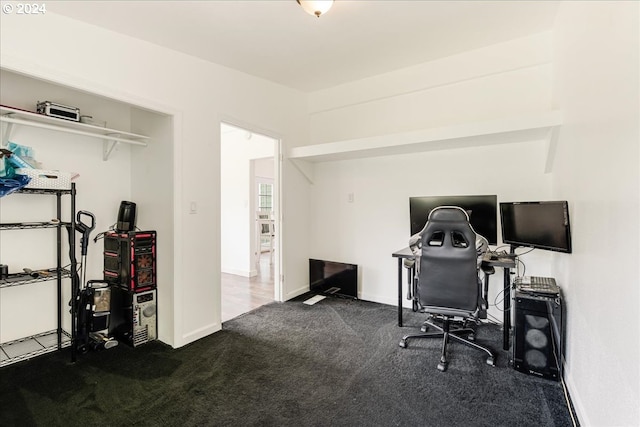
[(30, 225), (45, 342), (32, 346), (44, 224), (42, 191), (18, 279)]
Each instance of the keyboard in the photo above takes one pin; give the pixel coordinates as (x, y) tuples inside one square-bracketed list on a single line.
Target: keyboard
[(538, 285)]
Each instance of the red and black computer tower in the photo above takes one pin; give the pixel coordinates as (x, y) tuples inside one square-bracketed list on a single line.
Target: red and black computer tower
[(130, 260), (130, 267), (538, 335)]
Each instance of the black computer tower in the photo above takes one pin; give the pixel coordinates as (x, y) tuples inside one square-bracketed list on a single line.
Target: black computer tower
[(538, 335)]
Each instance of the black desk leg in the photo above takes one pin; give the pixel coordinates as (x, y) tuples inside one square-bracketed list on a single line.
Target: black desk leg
[(400, 292), (411, 283), (506, 309)]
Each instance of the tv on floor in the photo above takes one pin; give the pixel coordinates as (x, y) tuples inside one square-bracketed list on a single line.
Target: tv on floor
[(333, 278)]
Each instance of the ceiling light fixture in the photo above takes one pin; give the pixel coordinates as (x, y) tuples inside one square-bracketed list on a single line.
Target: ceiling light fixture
[(316, 7)]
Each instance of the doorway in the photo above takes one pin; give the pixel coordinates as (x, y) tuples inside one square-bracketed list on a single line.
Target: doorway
[(249, 226)]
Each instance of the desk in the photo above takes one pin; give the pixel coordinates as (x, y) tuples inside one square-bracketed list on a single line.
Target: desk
[(402, 254), (507, 263)]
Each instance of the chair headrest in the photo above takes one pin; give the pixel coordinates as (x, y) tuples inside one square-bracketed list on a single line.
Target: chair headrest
[(448, 214)]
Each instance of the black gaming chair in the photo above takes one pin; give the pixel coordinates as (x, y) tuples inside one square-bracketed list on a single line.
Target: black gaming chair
[(447, 280)]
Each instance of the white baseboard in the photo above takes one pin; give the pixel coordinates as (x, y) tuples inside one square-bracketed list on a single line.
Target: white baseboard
[(296, 293), (200, 333), (578, 407), (380, 300)]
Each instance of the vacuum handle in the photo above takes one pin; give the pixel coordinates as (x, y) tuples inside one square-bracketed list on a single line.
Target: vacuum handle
[(85, 229)]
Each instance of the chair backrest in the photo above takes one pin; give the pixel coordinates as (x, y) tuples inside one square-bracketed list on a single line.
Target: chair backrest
[(448, 275)]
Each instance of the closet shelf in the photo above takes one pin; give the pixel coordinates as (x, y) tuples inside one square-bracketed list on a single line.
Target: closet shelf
[(111, 137)]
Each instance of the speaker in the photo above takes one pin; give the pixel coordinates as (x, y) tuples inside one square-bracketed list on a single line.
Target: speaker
[(538, 335), (126, 217)]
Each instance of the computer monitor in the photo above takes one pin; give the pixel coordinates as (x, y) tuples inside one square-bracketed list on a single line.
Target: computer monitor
[(541, 225), (482, 210)]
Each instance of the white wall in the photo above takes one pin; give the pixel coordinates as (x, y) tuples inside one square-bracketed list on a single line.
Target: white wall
[(597, 170), (367, 230), (497, 81), (263, 168), (152, 190), (464, 88), (198, 95)]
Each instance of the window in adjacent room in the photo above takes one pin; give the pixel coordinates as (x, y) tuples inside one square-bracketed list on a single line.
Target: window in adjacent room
[(265, 197)]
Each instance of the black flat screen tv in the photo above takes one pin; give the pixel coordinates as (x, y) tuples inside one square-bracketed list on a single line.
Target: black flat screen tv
[(483, 212), (541, 225), (333, 278)]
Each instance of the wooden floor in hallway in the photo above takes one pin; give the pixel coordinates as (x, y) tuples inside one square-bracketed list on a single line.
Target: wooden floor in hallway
[(242, 294)]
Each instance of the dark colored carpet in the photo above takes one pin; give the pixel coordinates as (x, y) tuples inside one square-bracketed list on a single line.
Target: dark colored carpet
[(285, 364)]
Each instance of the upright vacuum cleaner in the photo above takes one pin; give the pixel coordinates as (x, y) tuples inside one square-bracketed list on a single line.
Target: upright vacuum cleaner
[(93, 303)]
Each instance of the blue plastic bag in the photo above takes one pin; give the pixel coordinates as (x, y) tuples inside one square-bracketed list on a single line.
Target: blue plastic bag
[(9, 185)]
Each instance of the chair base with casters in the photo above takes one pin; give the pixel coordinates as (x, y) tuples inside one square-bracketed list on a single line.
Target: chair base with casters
[(446, 332)]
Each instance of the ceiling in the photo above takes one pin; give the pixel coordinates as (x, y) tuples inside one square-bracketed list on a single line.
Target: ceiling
[(276, 40)]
